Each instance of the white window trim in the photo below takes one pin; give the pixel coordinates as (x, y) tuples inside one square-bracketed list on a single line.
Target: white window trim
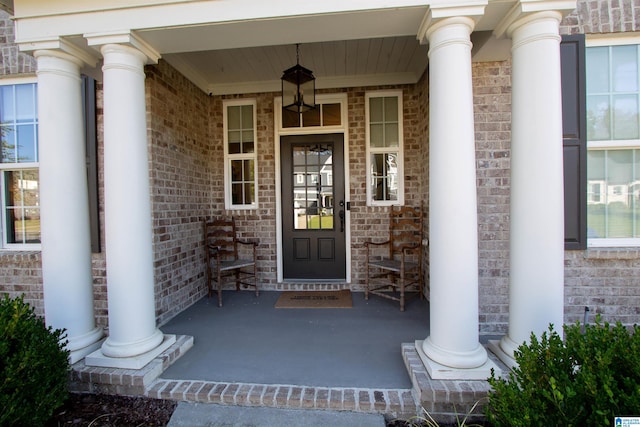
[(11, 81), (228, 200), (399, 149), (605, 41)]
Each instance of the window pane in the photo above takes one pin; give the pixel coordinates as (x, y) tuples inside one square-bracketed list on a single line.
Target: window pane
[(597, 60), (248, 170), (331, 114), (613, 200), (598, 118), (26, 144), (236, 194), (376, 110), (22, 206), (391, 135), (25, 105), (625, 68), (19, 130), (248, 147), (233, 117), (249, 191), (290, 119), (384, 173), (625, 117), (236, 170), (247, 136), (311, 117), (376, 135), (247, 117), (234, 136), (8, 144), (7, 112), (391, 109)]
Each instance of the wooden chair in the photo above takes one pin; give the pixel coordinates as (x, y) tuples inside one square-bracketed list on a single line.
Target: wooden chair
[(394, 267), (225, 256)]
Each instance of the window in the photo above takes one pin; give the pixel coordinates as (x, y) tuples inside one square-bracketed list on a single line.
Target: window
[(385, 184), (325, 114), (613, 138), (19, 181), (240, 154)]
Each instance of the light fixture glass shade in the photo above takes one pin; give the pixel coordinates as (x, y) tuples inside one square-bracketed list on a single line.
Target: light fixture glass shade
[(298, 89)]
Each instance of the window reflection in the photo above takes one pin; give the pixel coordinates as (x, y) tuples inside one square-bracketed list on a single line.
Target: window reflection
[(313, 199), (613, 193)]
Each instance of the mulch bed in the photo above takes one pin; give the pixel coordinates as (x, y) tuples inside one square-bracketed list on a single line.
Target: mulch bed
[(101, 410)]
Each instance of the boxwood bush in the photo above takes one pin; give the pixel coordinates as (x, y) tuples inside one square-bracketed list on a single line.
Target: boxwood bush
[(33, 366), (587, 379)]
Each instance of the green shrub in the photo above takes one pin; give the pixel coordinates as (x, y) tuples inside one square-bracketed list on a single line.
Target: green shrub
[(584, 380), (33, 366)]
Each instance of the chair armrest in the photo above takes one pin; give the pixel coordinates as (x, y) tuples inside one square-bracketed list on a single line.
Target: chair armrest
[(366, 244), (409, 248), (247, 242)]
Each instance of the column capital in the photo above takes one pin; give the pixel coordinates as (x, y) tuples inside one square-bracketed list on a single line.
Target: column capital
[(57, 46), (526, 8), (442, 9), (126, 38)]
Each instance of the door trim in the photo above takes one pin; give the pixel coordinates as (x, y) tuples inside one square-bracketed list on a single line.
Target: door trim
[(278, 132)]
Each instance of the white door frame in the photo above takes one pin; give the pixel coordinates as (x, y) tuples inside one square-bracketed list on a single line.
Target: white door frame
[(279, 131)]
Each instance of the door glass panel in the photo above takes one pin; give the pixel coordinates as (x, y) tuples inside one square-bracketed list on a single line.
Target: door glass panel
[(313, 187)]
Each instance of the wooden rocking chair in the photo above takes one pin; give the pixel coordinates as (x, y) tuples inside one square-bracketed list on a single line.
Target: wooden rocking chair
[(399, 271), (224, 257)]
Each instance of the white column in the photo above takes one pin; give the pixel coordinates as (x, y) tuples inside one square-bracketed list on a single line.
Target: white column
[(536, 292), (133, 334), (66, 242), (453, 220)]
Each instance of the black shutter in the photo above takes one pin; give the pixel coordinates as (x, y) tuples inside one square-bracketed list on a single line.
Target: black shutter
[(89, 103), (574, 136)]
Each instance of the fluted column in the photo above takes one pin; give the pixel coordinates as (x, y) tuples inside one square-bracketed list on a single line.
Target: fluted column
[(66, 242), (536, 287), (452, 349), (133, 338)]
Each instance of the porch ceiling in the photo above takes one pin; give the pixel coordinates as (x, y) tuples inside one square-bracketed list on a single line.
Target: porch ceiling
[(242, 46), (366, 47)]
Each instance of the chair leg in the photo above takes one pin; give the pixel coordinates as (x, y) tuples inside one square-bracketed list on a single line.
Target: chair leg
[(219, 288), (209, 277), (401, 290), (366, 280), (255, 278), (237, 274)]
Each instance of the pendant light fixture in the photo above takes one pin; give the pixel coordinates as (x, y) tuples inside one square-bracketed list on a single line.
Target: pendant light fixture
[(298, 87)]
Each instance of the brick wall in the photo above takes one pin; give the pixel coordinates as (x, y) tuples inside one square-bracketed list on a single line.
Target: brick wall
[(603, 16), (492, 115), (21, 274), (12, 61), (180, 182)]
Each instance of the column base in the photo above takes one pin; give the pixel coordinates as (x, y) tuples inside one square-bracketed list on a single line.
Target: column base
[(78, 355), (83, 345), (97, 358), (441, 372), (496, 348)]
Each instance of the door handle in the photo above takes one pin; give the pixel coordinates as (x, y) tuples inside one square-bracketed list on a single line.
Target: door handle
[(341, 215)]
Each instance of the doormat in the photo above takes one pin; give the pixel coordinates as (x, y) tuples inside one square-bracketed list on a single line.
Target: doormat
[(315, 299)]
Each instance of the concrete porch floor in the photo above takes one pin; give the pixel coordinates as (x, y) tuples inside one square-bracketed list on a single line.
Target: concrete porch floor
[(249, 353)]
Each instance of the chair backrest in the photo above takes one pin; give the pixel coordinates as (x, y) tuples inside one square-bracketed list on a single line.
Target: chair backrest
[(221, 233), (405, 229)]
